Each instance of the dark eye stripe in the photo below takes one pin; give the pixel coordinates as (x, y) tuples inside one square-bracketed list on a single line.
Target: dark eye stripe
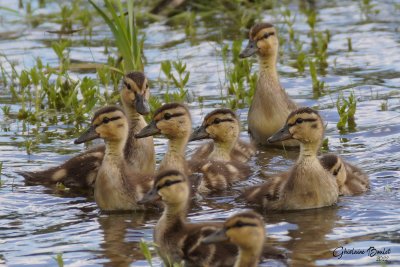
[(337, 171), (223, 120), (308, 120), (168, 183), (127, 85), (174, 115), (109, 119), (241, 224)]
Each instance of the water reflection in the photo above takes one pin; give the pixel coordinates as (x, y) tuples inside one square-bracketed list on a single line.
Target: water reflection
[(307, 240), (120, 237)]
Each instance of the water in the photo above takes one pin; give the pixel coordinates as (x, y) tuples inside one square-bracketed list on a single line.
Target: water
[(37, 222)]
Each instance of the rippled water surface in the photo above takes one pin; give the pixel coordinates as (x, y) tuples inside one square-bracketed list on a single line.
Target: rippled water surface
[(37, 222)]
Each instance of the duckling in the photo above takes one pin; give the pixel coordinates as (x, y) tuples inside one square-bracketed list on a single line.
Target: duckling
[(80, 171), (118, 185), (223, 127), (173, 120), (176, 239), (308, 184), (350, 179), (245, 230), (225, 146), (270, 105)]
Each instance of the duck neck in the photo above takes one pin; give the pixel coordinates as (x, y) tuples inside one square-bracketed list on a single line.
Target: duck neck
[(175, 213), (309, 150), (222, 151), (248, 258), (115, 151), (135, 118), (269, 74), (175, 156)]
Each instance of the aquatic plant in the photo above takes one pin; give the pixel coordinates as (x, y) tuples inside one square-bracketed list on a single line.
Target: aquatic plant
[(6, 110), (349, 44), (241, 82), (367, 8), (384, 105), (145, 249), (1, 172), (125, 32), (317, 85), (346, 109), (325, 145), (180, 81), (59, 259), (321, 49)]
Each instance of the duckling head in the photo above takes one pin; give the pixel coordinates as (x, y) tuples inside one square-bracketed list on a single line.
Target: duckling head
[(304, 125), (221, 125), (172, 120), (108, 123), (244, 229), (135, 92), (263, 41), (334, 164), (171, 186)]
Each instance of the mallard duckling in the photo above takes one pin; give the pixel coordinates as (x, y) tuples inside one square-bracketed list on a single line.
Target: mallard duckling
[(270, 105), (308, 184), (80, 171), (222, 126), (176, 239), (118, 185), (245, 230), (221, 165), (350, 179), (173, 120)]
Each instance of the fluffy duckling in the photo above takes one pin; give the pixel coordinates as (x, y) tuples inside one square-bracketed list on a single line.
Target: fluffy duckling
[(176, 239), (245, 230), (173, 120), (221, 165), (350, 179), (270, 105), (308, 184), (118, 185), (222, 126), (80, 171)]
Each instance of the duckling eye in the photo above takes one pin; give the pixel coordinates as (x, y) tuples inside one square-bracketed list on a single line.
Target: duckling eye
[(239, 224), (128, 85), (299, 120), (268, 34), (147, 86), (216, 121), (167, 116), (106, 120), (168, 183)]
